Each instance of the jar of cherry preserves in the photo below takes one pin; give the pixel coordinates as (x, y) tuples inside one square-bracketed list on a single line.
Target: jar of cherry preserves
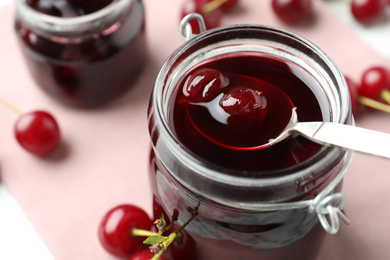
[(271, 203), (83, 53)]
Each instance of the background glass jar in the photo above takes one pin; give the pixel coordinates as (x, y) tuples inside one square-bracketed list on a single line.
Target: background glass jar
[(83, 60), (248, 212)]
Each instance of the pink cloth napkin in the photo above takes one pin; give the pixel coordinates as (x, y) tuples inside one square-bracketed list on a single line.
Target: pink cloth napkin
[(103, 159)]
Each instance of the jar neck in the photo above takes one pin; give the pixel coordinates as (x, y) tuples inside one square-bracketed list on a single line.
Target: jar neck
[(212, 181), (79, 24)]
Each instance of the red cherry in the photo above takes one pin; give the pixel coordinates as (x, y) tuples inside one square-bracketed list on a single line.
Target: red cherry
[(354, 93), (374, 81), (292, 11), (212, 18), (116, 227), (37, 132), (247, 108), (204, 85), (368, 11), (145, 255), (183, 247)]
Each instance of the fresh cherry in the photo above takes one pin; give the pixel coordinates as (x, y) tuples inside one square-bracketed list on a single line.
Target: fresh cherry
[(368, 11), (247, 108), (292, 11), (204, 85), (145, 255), (212, 16), (374, 81), (37, 132), (354, 93), (183, 247), (116, 227)]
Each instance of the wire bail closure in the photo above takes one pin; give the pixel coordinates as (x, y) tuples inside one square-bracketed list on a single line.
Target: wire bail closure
[(328, 206), (186, 28), (331, 206)]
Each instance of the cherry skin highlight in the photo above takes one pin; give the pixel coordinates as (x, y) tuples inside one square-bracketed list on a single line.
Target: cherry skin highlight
[(368, 11), (374, 81), (292, 11), (116, 227), (37, 132), (145, 255), (204, 85)]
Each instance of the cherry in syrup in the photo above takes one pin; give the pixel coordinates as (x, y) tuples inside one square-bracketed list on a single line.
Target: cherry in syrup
[(239, 110), (203, 127), (247, 108)]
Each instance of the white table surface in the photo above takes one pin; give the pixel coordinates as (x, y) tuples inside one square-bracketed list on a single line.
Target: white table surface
[(19, 240)]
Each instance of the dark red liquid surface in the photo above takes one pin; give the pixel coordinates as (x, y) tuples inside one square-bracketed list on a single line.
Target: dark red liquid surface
[(204, 132), (84, 68)]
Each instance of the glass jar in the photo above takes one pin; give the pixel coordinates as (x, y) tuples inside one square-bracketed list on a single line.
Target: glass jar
[(83, 60), (261, 213)]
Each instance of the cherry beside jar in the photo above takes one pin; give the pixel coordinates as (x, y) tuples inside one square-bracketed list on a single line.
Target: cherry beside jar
[(269, 204), (82, 53)]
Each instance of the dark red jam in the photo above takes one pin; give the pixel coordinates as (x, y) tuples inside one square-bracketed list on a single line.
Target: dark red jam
[(248, 104), (89, 67)]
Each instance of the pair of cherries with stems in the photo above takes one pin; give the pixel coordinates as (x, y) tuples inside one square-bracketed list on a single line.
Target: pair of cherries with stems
[(297, 11), (37, 131), (123, 229), (372, 91)]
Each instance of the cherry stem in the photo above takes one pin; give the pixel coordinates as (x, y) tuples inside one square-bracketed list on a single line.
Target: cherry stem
[(13, 108), (374, 104), (164, 245), (385, 94), (142, 233), (211, 6), (193, 214), (173, 219)]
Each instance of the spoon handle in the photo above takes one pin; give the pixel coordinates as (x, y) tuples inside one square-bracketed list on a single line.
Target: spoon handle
[(348, 137)]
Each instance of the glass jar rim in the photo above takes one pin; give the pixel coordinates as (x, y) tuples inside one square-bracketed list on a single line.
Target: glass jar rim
[(55, 23), (179, 151)]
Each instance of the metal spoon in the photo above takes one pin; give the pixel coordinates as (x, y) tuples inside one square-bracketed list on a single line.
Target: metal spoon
[(345, 136)]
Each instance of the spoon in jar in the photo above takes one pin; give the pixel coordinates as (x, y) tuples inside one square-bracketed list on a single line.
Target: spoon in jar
[(347, 137)]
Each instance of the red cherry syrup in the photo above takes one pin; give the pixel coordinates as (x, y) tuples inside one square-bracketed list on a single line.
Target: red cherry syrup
[(253, 105), (89, 67)]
